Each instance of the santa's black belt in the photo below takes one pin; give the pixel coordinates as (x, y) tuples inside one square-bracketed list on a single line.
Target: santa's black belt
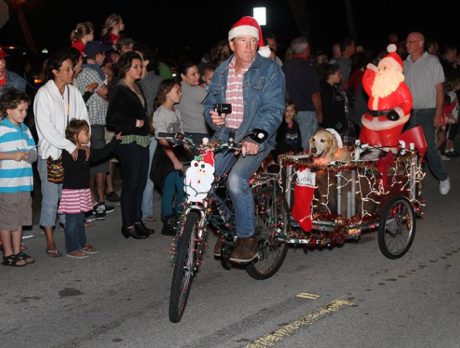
[(392, 115), (379, 112)]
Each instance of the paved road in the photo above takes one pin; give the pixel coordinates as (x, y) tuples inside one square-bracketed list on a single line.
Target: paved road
[(351, 296)]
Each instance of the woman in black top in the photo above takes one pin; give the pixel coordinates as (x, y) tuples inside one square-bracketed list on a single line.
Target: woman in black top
[(127, 114)]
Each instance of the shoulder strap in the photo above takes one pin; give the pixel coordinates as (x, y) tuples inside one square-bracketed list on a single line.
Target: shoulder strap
[(68, 105)]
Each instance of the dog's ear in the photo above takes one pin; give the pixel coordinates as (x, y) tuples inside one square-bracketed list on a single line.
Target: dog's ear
[(334, 146), (310, 143), (332, 142)]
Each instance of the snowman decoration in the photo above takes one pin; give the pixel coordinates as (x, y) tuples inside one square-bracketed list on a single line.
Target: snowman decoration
[(199, 177)]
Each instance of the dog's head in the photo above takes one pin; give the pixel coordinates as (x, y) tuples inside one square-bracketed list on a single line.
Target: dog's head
[(323, 144)]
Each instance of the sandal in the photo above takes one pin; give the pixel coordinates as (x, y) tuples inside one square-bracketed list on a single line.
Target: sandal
[(77, 254), (23, 256), (13, 260), (89, 249), (53, 253)]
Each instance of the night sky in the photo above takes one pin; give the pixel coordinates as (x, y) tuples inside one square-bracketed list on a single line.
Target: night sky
[(201, 24)]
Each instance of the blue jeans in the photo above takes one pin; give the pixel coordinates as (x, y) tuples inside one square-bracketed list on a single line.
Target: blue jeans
[(240, 169), (75, 236), (51, 193), (308, 125), (147, 196), (424, 118), (173, 186)]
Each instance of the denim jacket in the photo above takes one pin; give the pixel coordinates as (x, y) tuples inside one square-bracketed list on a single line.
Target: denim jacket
[(264, 91), (13, 80)]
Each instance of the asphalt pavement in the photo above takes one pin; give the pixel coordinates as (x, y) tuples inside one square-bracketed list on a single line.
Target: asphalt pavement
[(349, 297)]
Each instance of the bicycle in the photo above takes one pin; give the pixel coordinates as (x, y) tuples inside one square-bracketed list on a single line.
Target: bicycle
[(212, 209)]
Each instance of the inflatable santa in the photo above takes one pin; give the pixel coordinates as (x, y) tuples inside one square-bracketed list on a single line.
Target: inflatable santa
[(390, 101)]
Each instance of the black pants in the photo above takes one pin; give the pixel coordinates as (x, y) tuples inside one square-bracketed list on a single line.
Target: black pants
[(134, 164)]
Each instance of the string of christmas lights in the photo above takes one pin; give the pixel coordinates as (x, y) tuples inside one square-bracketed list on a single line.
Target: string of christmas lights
[(405, 173)]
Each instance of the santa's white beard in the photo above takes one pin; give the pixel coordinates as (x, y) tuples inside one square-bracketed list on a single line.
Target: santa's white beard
[(386, 82)]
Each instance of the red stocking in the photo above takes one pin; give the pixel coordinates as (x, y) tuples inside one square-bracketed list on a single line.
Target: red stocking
[(301, 211)]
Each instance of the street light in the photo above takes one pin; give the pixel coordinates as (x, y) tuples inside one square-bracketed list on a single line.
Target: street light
[(260, 14)]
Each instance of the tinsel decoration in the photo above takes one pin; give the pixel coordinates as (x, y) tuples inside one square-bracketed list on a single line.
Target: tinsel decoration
[(405, 173)]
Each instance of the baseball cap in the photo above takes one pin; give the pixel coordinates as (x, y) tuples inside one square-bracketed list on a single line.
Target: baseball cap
[(94, 47)]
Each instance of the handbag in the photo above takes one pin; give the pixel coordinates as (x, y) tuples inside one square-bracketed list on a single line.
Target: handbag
[(55, 170)]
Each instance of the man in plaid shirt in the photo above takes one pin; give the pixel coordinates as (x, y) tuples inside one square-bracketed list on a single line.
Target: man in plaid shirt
[(97, 104)]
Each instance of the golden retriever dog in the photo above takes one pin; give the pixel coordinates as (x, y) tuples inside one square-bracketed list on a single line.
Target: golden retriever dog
[(326, 146)]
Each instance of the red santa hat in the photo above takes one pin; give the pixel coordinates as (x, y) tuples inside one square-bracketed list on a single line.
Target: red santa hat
[(3, 54), (208, 157), (248, 26), (392, 55)]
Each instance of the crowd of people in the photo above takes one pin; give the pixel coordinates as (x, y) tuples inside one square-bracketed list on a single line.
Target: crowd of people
[(106, 102)]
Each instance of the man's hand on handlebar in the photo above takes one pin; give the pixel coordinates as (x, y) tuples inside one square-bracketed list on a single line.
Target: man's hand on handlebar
[(249, 148)]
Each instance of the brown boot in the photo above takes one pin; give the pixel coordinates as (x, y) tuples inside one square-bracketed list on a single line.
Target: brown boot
[(218, 247), (246, 250)]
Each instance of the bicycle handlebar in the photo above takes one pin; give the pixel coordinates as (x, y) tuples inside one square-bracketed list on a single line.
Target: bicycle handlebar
[(256, 135)]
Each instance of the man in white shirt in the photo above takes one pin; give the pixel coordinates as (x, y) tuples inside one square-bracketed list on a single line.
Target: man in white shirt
[(425, 78)]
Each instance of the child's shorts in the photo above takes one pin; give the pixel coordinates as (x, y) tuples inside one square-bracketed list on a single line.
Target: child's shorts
[(15, 210)]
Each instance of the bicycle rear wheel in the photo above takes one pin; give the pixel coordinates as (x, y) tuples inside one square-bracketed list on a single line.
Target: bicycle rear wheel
[(396, 227), (185, 266), (271, 222)]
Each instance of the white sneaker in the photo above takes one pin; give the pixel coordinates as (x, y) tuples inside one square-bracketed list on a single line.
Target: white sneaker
[(445, 158), (444, 186)]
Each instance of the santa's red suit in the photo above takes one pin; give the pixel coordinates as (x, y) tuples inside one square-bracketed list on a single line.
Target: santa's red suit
[(383, 123)]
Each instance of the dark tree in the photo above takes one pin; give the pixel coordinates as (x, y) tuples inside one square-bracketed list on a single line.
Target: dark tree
[(300, 13)]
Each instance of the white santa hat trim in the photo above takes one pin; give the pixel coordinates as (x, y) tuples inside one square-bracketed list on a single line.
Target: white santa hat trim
[(393, 57), (391, 48), (243, 30), (265, 51), (336, 136)]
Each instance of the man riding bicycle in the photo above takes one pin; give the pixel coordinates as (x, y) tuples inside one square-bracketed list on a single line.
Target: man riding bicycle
[(255, 88)]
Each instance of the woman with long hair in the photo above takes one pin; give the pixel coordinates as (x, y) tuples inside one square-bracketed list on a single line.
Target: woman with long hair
[(127, 113), (81, 35), (110, 33), (55, 104), (190, 107)]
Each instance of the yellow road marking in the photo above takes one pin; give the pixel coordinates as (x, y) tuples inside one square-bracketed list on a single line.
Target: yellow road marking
[(292, 327), (307, 296)]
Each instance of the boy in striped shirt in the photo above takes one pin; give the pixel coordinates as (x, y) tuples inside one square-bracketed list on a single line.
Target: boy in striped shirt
[(17, 153)]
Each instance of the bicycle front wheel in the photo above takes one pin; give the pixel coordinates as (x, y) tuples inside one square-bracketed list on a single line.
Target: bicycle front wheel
[(271, 222), (185, 266)]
